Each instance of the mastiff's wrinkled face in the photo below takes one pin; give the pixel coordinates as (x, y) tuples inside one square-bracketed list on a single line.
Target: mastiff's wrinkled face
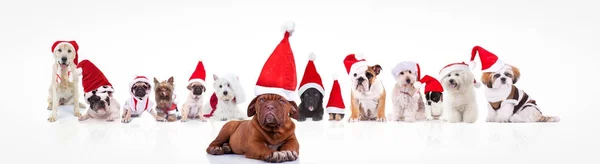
[(272, 110)]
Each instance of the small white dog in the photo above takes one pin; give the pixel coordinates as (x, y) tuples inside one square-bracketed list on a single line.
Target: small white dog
[(507, 103), (460, 100), (192, 108), (407, 100), (223, 103), (102, 106), (64, 87)]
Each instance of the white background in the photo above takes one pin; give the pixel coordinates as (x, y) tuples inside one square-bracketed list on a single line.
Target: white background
[(552, 42)]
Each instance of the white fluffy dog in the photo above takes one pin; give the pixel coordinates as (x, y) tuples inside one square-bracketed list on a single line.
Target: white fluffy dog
[(406, 98), (223, 103), (64, 91), (460, 103)]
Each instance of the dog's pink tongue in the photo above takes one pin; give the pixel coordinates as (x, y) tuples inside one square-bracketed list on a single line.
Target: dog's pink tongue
[(311, 108), (63, 66)]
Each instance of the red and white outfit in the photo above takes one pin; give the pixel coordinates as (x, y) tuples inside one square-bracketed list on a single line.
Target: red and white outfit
[(73, 44), (278, 75), (335, 104), (138, 106), (171, 110), (311, 78)]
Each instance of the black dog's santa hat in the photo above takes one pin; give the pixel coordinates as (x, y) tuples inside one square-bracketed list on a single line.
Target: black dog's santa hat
[(335, 104), (489, 61), (92, 78), (311, 78), (278, 75), (199, 74), (408, 65), (71, 43), (455, 67)]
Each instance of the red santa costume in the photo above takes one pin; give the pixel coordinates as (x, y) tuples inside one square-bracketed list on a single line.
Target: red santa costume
[(139, 105)]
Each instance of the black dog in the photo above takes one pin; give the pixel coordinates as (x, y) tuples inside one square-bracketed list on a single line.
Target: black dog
[(433, 103), (311, 105)]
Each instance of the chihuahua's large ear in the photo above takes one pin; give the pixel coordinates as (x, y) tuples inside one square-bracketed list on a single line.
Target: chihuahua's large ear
[(156, 81), (294, 111), (252, 107), (487, 78), (377, 68), (171, 80), (516, 74)]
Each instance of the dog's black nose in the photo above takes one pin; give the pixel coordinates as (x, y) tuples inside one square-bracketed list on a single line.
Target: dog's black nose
[(451, 80), (225, 92), (503, 79), (360, 79), (64, 59), (428, 102), (407, 80)]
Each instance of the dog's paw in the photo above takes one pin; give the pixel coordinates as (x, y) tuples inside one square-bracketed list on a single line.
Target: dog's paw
[(490, 119), (111, 119), (429, 118), (282, 156), (381, 119), (409, 119), (82, 118), (353, 119), (77, 113), (160, 119), (183, 119), (226, 148), (301, 119), (223, 119), (126, 120), (317, 118), (215, 150), (52, 118)]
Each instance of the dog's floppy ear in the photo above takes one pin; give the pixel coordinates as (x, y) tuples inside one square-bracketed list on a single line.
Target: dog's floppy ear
[(487, 78), (203, 88), (171, 80), (156, 81), (294, 111), (189, 87), (516, 74), (251, 107), (377, 69)]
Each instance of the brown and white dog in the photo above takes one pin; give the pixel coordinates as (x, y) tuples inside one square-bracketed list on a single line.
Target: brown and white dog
[(102, 106), (164, 95), (507, 103), (367, 94), (64, 91), (269, 135)]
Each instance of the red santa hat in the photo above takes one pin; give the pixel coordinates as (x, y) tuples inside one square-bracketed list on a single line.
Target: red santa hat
[(311, 78), (199, 74), (140, 79), (455, 67), (408, 65), (93, 78), (71, 43), (335, 104), (489, 61), (278, 75), (353, 62), (431, 84)]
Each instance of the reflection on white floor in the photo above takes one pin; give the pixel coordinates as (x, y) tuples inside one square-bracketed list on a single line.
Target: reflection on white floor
[(144, 140)]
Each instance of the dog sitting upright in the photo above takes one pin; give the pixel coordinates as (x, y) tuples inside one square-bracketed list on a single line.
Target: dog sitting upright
[(192, 108), (434, 96), (311, 92), (368, 94), (407, 100), (506, 102), (164, 95), (140, 101), (64, 87), (460, 102), (223, 104), (98, 93)]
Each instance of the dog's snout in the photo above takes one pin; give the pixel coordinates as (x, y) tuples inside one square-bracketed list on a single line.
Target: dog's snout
[(63, 59), (503, 79), (407, 80), (270, 107), (225, 92), (451, 81), (360, 79), (428, 102), (197, 91)]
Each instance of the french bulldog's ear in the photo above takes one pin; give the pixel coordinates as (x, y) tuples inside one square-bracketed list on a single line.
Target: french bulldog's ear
[(156, 81), (377, 68), (294, 111), (251, 107), (189, 87), (171, 80), (516, 74), (215, 77)]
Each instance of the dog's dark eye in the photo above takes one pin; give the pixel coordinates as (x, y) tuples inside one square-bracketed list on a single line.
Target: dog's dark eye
[(220, 86), (410, 72), (496, 75), (369, 75), (449, 75), (261, 100), (282, 101), (401, 73), (355, 75), (59, 50), (508, 74), (456, 74), (228, 85), (69, 51)]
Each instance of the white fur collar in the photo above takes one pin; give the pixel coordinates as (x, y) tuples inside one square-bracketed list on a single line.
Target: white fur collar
[(496, 94)]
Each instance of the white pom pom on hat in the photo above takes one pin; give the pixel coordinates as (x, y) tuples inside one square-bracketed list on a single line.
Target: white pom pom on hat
[(334, 76), (312, 56), (289, 26)]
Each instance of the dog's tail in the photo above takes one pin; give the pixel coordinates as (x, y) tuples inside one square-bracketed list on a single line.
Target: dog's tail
[(549, 119)]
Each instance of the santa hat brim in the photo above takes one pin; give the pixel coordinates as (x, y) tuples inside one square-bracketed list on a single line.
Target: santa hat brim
[(310, 85), (196, 80), (451, 68), (287, 94), (335, 110), (139, 80), (356, 66)]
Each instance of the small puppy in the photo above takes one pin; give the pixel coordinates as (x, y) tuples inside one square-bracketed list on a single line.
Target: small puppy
[(311, 105), (192, 108), (459, 84), (269, 136), (64, 90), (407, 100), (140, 102), (163, 93), (507, 103), (223, 104), (434, 97), (102, 106), (368, 95)]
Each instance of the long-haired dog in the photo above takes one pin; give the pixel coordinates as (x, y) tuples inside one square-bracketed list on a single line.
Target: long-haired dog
[(140, 101), (223, 104), (102, 105), (460, 103), (367, 94), (64, 88), (407, 100), (506, 102), (164, 95), (192, 108)]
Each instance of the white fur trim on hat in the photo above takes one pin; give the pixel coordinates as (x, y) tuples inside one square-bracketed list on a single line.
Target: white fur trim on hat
[(287, 94), (357, 65), (139, 80), (196, 80), (472, 64), (403, 66), (455, 67), (312, 56), (107, 89), (310, 85), (289, 26), (61, 43), (497, 66), (359, 56), (335, 110)]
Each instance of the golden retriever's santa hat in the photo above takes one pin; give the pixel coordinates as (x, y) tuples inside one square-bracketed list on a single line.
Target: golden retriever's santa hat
[(408, 65), (489, 61), (454, 67), (93, 78), (335, 104), (199, 74), (311, 78), (353, 62), (278, 75), (71, 43)]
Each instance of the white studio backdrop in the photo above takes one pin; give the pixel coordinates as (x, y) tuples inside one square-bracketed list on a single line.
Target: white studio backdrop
[(552, 42)]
